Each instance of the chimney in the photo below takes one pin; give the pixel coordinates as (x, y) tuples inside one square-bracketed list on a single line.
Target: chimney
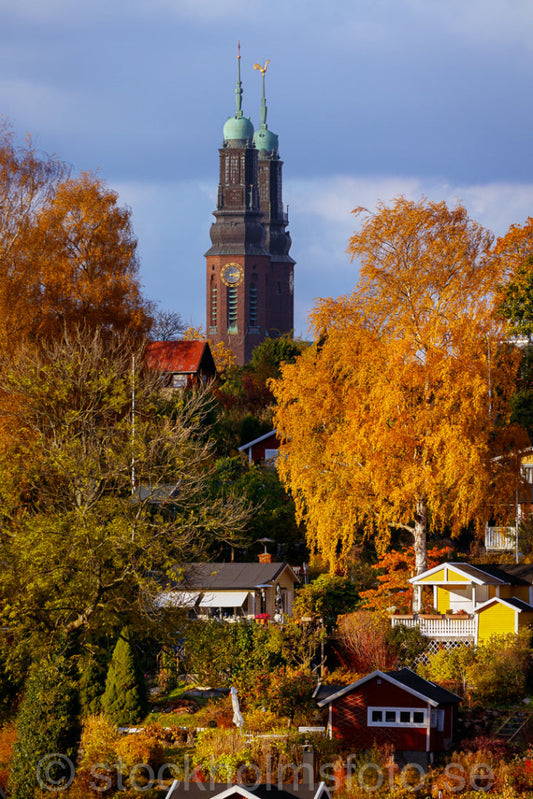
[(265, 557)]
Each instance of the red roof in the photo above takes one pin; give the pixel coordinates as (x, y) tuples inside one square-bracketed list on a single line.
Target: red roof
[(175, 356)]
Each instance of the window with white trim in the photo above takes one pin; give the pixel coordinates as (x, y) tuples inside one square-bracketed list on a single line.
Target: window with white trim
[(396, 717), (179, 381)]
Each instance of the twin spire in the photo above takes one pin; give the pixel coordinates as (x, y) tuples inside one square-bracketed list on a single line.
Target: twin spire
[(263, 139)]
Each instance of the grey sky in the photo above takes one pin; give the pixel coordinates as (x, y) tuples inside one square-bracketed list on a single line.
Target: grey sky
[(370, 99)]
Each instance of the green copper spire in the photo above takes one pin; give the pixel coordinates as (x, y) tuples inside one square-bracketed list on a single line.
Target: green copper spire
[(264, 139), (238, 88), (238, 128)]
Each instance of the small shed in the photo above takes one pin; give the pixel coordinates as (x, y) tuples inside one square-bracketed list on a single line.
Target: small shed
[(265, 448), (394, 707), (502, 616)]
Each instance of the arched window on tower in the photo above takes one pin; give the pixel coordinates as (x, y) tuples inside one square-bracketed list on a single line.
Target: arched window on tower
[(232, 309), (213, 318), (253, 305)]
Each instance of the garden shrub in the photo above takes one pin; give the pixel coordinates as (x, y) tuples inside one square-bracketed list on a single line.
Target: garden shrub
[(496, 671), (108, 756), (142, 747), (260, 719), (502, 667), (219, 754), (450, 668), (326, 598), (98, 746), (216, 713), (406, 644), (290, 691), (363, 639)]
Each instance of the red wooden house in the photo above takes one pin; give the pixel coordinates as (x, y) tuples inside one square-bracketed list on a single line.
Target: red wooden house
[(265, 448), (182, 364), (394, 707)]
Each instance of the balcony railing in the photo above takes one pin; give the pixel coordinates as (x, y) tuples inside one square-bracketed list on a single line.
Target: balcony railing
[(500, 538), (460, 627)]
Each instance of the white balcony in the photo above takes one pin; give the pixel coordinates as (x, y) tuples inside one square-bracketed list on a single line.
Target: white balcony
[(500, 539), (459, 627)]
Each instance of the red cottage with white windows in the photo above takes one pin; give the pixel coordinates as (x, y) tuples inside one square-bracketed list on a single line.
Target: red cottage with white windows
[(394, 707)]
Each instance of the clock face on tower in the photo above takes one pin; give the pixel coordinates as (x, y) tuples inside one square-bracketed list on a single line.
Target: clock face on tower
[(232, 274)]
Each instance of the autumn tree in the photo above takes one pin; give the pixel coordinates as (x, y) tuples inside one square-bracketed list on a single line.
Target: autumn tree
[(67, 250), (103, 488), (389, 420), (87, 261), (393, 570)]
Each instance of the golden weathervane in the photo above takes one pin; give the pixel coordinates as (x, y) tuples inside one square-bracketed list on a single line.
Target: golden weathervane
[(261, 69)]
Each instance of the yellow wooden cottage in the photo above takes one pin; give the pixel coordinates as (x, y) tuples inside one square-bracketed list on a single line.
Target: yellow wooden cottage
[(473, 603)]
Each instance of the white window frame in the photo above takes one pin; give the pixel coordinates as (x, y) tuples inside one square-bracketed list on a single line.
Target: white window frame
[(179, 380), (397, 710)]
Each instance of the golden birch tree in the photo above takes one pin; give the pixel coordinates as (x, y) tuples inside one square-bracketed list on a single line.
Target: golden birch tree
[(390, 419)]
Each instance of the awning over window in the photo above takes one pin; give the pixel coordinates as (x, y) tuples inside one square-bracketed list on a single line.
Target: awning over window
[(223, 599), (178, 599)]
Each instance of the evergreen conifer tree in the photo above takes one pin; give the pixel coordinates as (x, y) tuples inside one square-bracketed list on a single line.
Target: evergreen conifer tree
[(47, 730), (124, 699)]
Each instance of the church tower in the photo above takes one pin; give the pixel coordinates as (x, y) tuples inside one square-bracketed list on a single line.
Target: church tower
[(279, 296), (249, 270)]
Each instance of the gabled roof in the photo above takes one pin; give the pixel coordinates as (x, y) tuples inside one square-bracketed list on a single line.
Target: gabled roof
[(407, 680), (484, 574), (178, 357), (515, 604), (324, 691), (271, 434), (230, 576), (193, 790)]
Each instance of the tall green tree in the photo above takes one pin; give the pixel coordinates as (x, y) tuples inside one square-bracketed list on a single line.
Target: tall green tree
[(47, 726), (124, 698)]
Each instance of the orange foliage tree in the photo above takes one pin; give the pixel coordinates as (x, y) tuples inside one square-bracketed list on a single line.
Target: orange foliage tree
[(393, 569), (67, 250), (87, 259), (389, 419)]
